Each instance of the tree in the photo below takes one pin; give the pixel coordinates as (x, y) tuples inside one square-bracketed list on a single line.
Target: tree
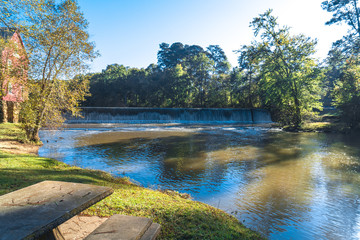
[(347, 93), (110, 87), (193, 73), (234, 86), (221, 63), (289, 75), (170, 56), (58, 48), (343, 60), (199, 68), (346, 11), (185, 76), (249, 63), (334, 64)]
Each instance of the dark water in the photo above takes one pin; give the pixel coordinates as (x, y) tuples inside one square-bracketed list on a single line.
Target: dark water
[(284, 185)]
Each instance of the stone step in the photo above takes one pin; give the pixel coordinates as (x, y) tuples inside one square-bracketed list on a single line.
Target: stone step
[(122, 227), (152, 232)]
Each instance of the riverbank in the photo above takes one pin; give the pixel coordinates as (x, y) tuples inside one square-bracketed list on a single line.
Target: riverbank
[(328, 123), (180, 217)]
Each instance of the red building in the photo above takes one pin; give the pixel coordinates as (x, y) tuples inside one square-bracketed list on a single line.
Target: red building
[(13, 72)]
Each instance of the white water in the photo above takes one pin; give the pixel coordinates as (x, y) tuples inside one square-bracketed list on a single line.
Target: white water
[(172, 115)]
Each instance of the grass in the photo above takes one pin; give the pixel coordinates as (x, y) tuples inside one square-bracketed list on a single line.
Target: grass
[(12, 132), (181, 218), (317, 126), (324, 122)]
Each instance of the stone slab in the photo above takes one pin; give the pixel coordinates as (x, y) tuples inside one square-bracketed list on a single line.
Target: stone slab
[(79, 227), (120, 227), (152, 232), (30, 212)]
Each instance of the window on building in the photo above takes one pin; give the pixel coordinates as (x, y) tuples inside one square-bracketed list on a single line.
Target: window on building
[(10, 88)]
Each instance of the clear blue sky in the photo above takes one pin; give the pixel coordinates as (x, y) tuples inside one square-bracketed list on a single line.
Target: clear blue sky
[(129, 32)]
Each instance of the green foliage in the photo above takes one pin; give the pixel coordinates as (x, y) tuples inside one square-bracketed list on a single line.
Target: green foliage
[(40, 110), (347, 93), (198, 68), (249, 65), (343, 61), (58, 48), (345, 11), (289, 78), (186, 76), (221, 64)]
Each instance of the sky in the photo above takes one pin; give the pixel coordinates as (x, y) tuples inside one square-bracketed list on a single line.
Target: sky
[(128, 32)]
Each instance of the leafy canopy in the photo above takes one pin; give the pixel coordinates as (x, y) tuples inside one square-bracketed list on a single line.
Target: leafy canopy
[(58, 47), (289, 76)]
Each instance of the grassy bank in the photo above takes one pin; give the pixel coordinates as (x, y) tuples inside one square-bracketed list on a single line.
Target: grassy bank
[(180, 218), (12, 132), (324, 122)]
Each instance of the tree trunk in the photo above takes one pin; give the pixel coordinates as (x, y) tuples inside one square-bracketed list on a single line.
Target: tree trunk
[(297, 119), (33, 134), (249, 96)]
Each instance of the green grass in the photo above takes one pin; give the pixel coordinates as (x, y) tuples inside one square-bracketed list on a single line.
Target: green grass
[(327, 122), (180, 218), (317, 126), (12, 132)]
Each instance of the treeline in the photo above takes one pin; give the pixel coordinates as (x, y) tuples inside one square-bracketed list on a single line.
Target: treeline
[(277, 71), (185, 76)]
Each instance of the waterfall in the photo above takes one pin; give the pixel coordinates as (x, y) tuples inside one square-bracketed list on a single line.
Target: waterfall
[(170, 115)]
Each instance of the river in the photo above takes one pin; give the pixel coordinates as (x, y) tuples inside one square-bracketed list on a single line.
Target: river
[(284, 185)]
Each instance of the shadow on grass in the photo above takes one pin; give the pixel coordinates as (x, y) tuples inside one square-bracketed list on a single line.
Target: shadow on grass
[(18, 171)]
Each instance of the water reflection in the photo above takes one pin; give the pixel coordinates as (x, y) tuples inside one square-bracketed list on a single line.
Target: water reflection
[(285, 185)]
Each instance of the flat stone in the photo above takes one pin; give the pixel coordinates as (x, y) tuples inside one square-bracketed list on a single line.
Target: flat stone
[(120, 227), (30, 212), (79, 227), (152, 232)]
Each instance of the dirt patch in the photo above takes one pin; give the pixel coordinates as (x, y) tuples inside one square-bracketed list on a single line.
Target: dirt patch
[(18, 148)]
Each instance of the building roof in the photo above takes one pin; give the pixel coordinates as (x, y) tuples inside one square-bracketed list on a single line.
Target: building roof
[(6, 33)]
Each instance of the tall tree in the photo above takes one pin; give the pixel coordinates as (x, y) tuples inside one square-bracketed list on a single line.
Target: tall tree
[(347, 93), (289, 75), (221, 63), (234, 87), (343, 60), (348, 12), (58, 47), (170, 56), (249, 65), (199, 68)]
